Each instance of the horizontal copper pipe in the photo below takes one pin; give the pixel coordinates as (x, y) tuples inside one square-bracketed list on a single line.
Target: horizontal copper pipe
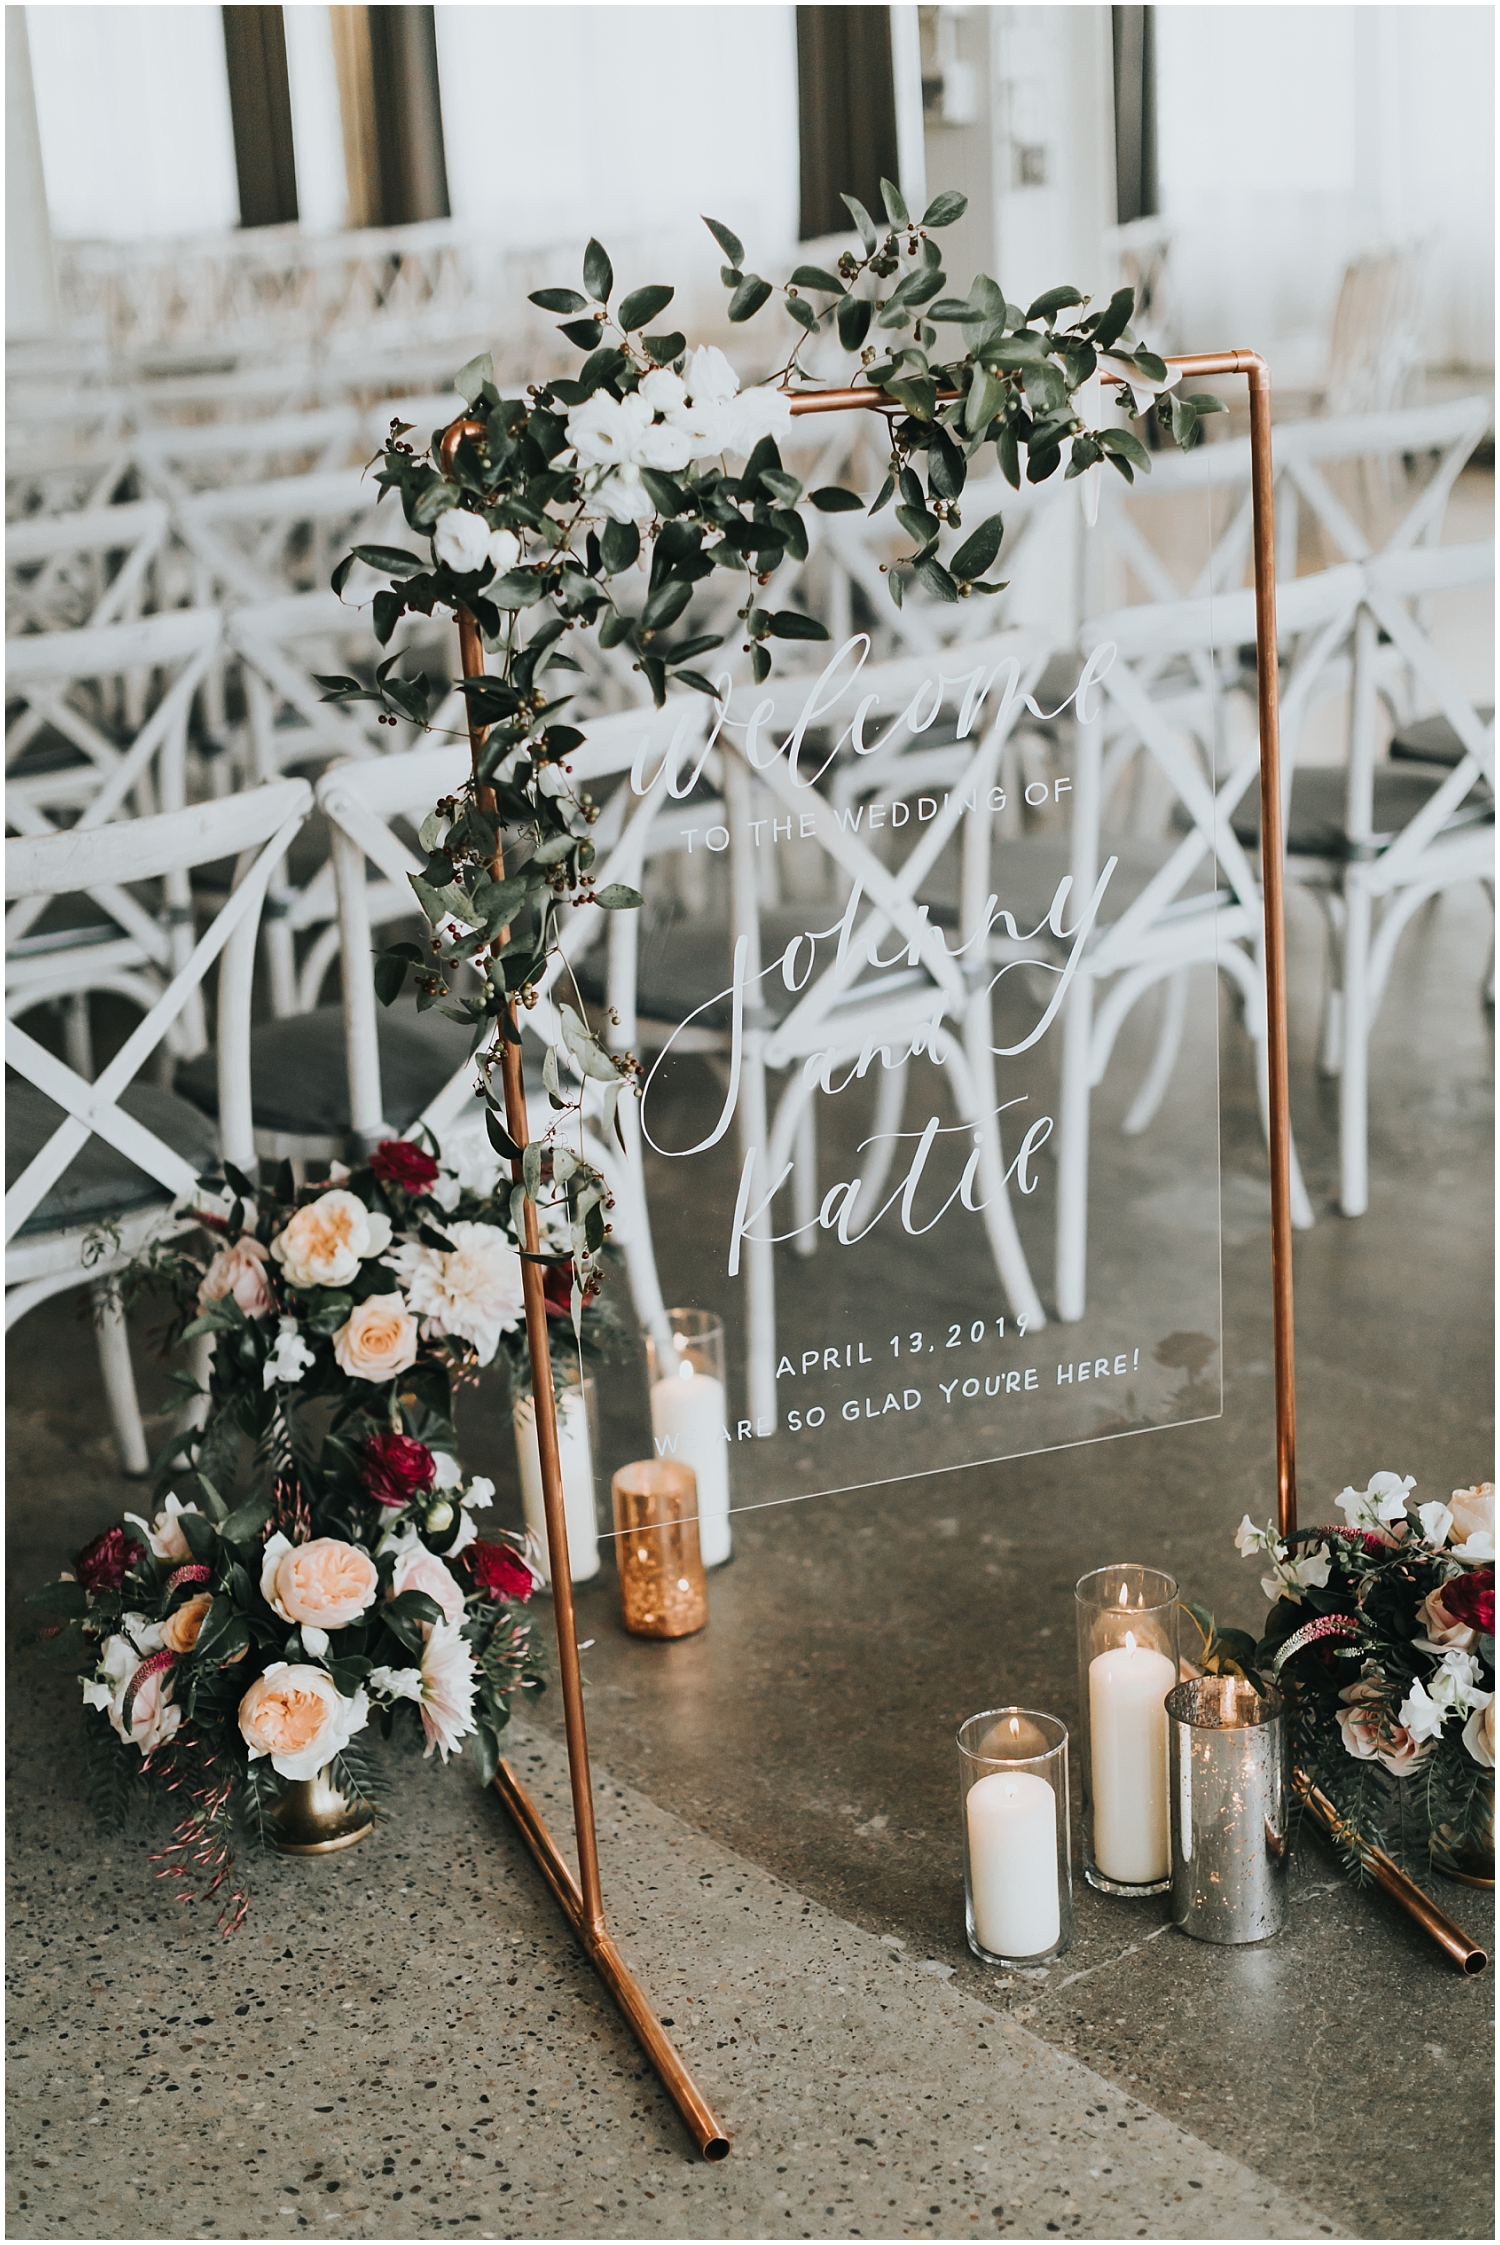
[(1450, 1938), (613, 1970), (1249, 363)]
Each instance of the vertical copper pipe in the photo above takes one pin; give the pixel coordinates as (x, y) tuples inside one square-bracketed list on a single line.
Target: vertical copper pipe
[(582, 1899)]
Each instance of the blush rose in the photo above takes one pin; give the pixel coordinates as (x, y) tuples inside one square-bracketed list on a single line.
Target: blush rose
[(379, 1341), (239, 1271)]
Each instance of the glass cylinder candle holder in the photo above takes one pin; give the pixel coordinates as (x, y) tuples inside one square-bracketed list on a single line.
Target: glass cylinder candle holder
[(1018, 1864), (685, 1366), (1127, 1664), (662, 1590), (575, 1419), (1228, 1786)]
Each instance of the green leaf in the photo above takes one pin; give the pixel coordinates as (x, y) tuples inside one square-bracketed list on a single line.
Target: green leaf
[(641, 305), (69, 1644), (895, 203), (557, 299), (983, 401), (853, 319), (1113, 320), (65, 1598), (614, 629), (813, 276), (585, 333), (945, 208), (748, 297), (1053, 300), (945, 467), (798, 308), (391, 969), (617, 897), (833, 499), (223, 1631), (790, 623), (485, 1749), (499, 1137), (350, 1673), (414, 1605), (697, 681), (245, 1525), (340, 576), (620, 544), (918, 393), (666, 495), (665, 604), (730, 244), (598, 273), (665, 348), (471, 378), (935, 577), (863, 221), (980, 549), (1126, 445)]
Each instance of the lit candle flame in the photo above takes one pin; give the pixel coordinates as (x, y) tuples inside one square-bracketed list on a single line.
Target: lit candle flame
[(1015, 1726), (1130, 1640), (1124, 1594), (684, 1370)]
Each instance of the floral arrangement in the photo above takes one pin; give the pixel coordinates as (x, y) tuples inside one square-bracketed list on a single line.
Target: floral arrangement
[(315, 1562), (597, 506), (1382, 1633)]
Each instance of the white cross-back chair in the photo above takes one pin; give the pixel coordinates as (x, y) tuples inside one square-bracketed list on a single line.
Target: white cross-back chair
[(1201, 905), (93, 1166), (96, 565)]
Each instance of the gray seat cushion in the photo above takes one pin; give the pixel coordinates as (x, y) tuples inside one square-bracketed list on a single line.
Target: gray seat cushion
[(1316, 825), (100, 1183), (301, 1084), (1432, 740), (1024, 875), (687, 964)]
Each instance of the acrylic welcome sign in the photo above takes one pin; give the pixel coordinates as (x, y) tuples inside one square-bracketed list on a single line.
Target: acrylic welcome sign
[(926, 991)]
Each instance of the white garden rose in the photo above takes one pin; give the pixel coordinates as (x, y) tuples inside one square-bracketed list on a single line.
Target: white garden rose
[(708, 377), (461, 540), (473, 1293), (624, 498), (664, 391), (504, 550), (758, 413), (325, 1243), (665, 447), (604, 431)]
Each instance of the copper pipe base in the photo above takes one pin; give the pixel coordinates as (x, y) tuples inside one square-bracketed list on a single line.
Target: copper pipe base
[(612, 1968)]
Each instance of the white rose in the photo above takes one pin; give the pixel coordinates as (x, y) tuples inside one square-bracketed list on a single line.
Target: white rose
[(325, 1243), (758, 413), (421, 1569), (606, 430), (708, 376), (663, 390), (461, 540), (664, 446), (623, 496), (504, 550)]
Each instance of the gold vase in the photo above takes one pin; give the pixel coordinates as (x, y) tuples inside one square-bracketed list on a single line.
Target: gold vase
[(1473, 1861), (314, 1816), (662, 1590)]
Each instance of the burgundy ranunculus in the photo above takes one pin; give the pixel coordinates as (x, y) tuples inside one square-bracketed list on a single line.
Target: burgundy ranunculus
[(498, 1572), (1471, 1599), (397, 1469), (102, 1564), (398, 1162)]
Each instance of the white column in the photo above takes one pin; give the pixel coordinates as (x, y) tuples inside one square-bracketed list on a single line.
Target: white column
[(30, 277)]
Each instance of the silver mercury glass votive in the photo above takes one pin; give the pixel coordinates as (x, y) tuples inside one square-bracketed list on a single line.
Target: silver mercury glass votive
[(1229, 1792)]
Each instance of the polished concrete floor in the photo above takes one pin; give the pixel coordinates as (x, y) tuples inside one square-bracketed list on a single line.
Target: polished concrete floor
[(781, 1827)]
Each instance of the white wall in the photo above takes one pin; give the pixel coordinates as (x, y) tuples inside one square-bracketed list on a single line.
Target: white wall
[(670, 111), (133, 112), (1293, 137)]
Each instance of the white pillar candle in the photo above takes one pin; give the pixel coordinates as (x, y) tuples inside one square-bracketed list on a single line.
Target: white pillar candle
[(687, 1425), (1128, 1687), (577, 1480), (1012, 1818)]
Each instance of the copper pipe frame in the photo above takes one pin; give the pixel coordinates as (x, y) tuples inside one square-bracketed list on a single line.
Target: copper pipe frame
[(582, 1899), (1450, 1938), (1272, 854)]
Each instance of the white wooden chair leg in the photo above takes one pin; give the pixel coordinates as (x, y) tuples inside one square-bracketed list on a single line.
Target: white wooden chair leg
[(1331, 1026), (1354, 1117), (640, 1253), (805, 1181), (972, 1074), (1168, 1045), (119, 1380), (758, 1255), (1072, 1142)]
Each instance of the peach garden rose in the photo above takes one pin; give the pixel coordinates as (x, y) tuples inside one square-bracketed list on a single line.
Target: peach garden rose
[(180, 1630), (325, 1242), (379, 1340), (317, 1586), (297, 1715)]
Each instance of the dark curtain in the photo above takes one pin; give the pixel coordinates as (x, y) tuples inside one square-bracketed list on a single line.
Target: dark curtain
[(260, 108), (846, 100), (412, 172), (1135, 114)]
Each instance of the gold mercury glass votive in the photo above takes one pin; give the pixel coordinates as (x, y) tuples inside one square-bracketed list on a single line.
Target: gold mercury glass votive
[(662, 1589)]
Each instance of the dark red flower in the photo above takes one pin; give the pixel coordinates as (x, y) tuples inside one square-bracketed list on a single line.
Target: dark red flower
[(557, 1289), (398, 1162), (1470, 1598), (498, 1572), (102, 1564), (397, 1469)]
